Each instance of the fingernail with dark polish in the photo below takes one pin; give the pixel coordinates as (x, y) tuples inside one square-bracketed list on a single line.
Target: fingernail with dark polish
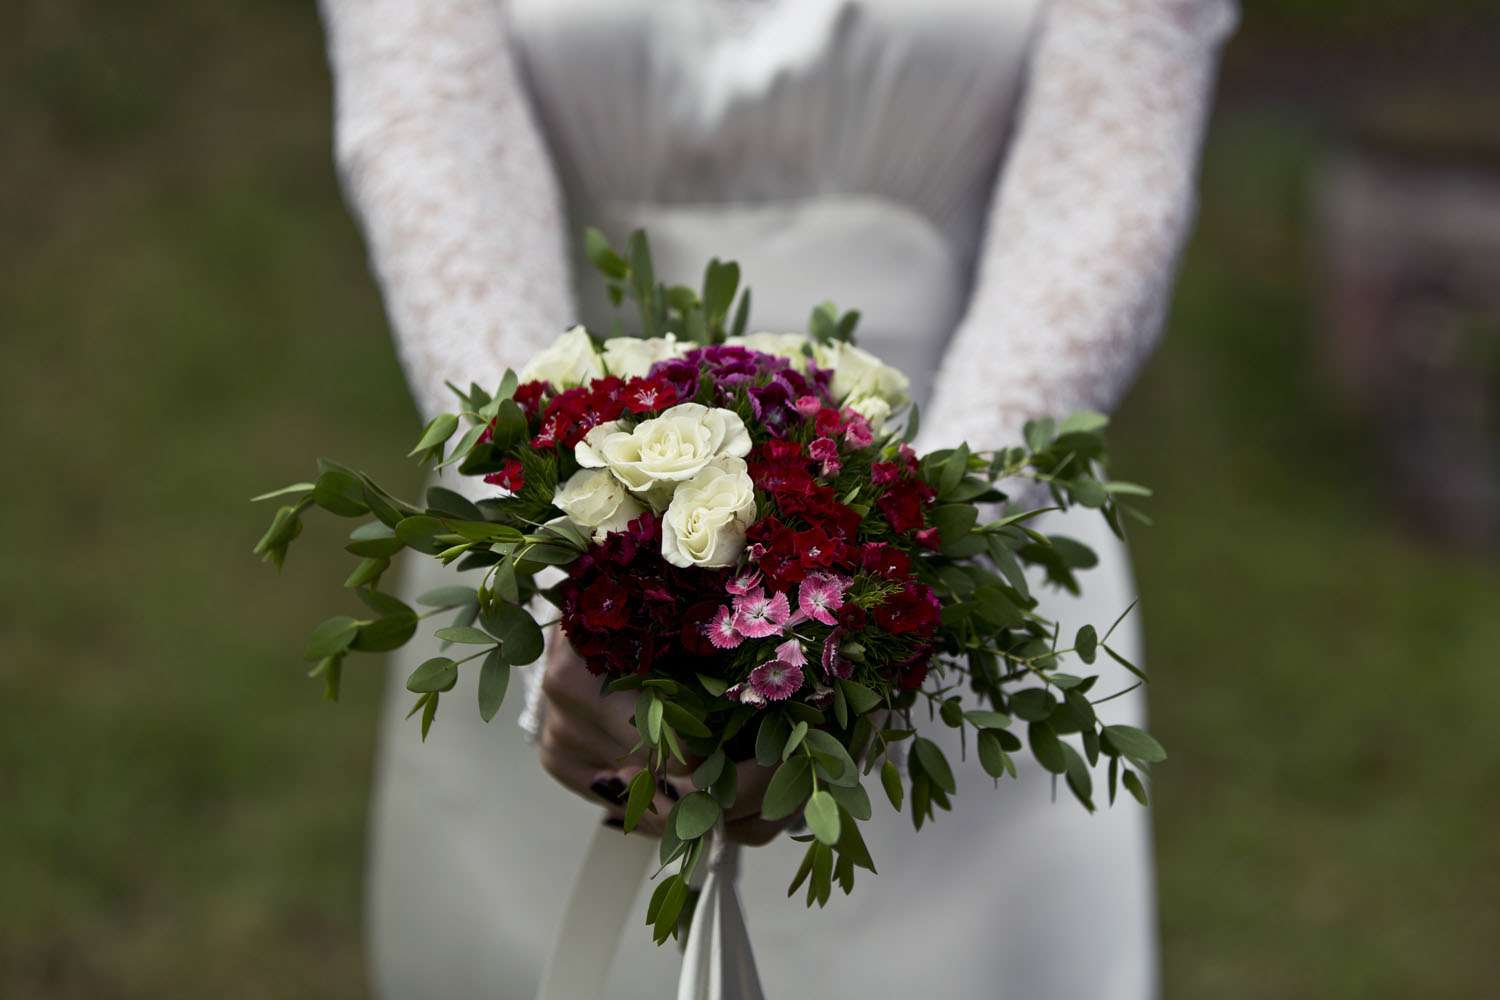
[(615, 822), (610, 789), (672, 793)]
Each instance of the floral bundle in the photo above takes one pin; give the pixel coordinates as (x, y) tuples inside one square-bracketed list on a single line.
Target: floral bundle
[(749, 544)]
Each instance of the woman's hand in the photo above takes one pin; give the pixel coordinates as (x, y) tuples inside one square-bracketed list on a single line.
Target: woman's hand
[(585, 744)]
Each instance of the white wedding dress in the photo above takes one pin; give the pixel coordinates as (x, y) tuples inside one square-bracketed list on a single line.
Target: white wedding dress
[(1002, 188)]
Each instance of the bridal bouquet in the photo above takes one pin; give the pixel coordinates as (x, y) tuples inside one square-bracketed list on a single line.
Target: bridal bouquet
[(749, 544)]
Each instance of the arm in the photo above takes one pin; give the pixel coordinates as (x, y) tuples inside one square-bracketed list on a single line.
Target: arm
[(1088, 219), (447, 173)]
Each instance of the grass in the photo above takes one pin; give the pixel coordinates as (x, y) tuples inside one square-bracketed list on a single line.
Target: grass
[(188, 315)]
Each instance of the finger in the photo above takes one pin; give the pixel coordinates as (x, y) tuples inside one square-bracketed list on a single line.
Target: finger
[(586, 741), (754, 831), (751, 781), (571, 690)]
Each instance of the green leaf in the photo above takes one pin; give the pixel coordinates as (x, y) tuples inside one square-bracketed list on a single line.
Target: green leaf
[(653, 718), (890, 777), (642, 790), (1046, 747), (1086, 643), (709, 771), (696, 815), (436, 674), (340, 492), (420, 532), (1079, 779), (861, 698), (1134, 787), (441, 500), (1116, 486), (1082, 422), (330, 637), (684, 721), (437, 431), (930, 756), (284, 491), (788, 789), (429, 712), (1125, 663), (520, 637), (795, 740), (991, 756), (385, 634), (465, 635), (832, 758), (449, 597), (726, 788), (770, 738), (985, 719), (822, 815), (1136, 744), (854, 799), (367, 573), (494, 678), (1032, 704), (596, 247), (713, 685), (851, 844)]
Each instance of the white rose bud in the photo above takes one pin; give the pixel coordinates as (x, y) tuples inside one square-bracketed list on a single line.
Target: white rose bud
[(705, 523), (661, 452), (857, 372), (570, 361), (632, 357), (594, 499)]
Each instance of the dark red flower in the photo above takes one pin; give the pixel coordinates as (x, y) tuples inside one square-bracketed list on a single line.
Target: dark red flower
[(604, 604), (902, 507), (884, 560), (914, 608), (642, 395), (528, 396), (828, 422), (510, 477)]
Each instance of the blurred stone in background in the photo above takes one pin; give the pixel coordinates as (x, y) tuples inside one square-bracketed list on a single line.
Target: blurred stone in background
[(1408, 220)]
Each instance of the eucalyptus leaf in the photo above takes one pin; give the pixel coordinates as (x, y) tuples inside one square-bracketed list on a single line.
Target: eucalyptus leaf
[(822, 815), (436, 674), (494, 678)]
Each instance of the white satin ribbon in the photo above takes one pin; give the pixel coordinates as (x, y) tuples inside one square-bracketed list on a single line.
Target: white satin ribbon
[(717, 963)]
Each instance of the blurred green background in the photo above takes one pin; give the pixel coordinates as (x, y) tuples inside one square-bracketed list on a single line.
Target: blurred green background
[(187, 315)]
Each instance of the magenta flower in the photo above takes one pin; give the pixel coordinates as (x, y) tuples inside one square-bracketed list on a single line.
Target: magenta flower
[(744, 583), (721, 631), (826, 450), (791, 652), (857, 430), (820, 596), (757, 616), (745, 695), (776, 680), (835, 665)]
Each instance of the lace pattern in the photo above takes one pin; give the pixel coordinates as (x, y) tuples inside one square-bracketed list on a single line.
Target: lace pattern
[(1088, 219)]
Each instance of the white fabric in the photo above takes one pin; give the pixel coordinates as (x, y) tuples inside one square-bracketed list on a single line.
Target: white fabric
[(1002, 188), (718, 962)]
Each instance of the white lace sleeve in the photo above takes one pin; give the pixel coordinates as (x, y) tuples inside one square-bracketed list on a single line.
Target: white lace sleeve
[(444, 166), (1088, 219), (447, 172)]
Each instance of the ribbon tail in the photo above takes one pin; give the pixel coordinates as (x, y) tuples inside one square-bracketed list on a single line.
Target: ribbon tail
[(718, 963), (602, 901)]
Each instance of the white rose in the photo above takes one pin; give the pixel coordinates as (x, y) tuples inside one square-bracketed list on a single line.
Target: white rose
[(782, 345), (570, 361), (874, 409), (857, 372), (705, 523), (666, 450), (594, 499), (632, 357)]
